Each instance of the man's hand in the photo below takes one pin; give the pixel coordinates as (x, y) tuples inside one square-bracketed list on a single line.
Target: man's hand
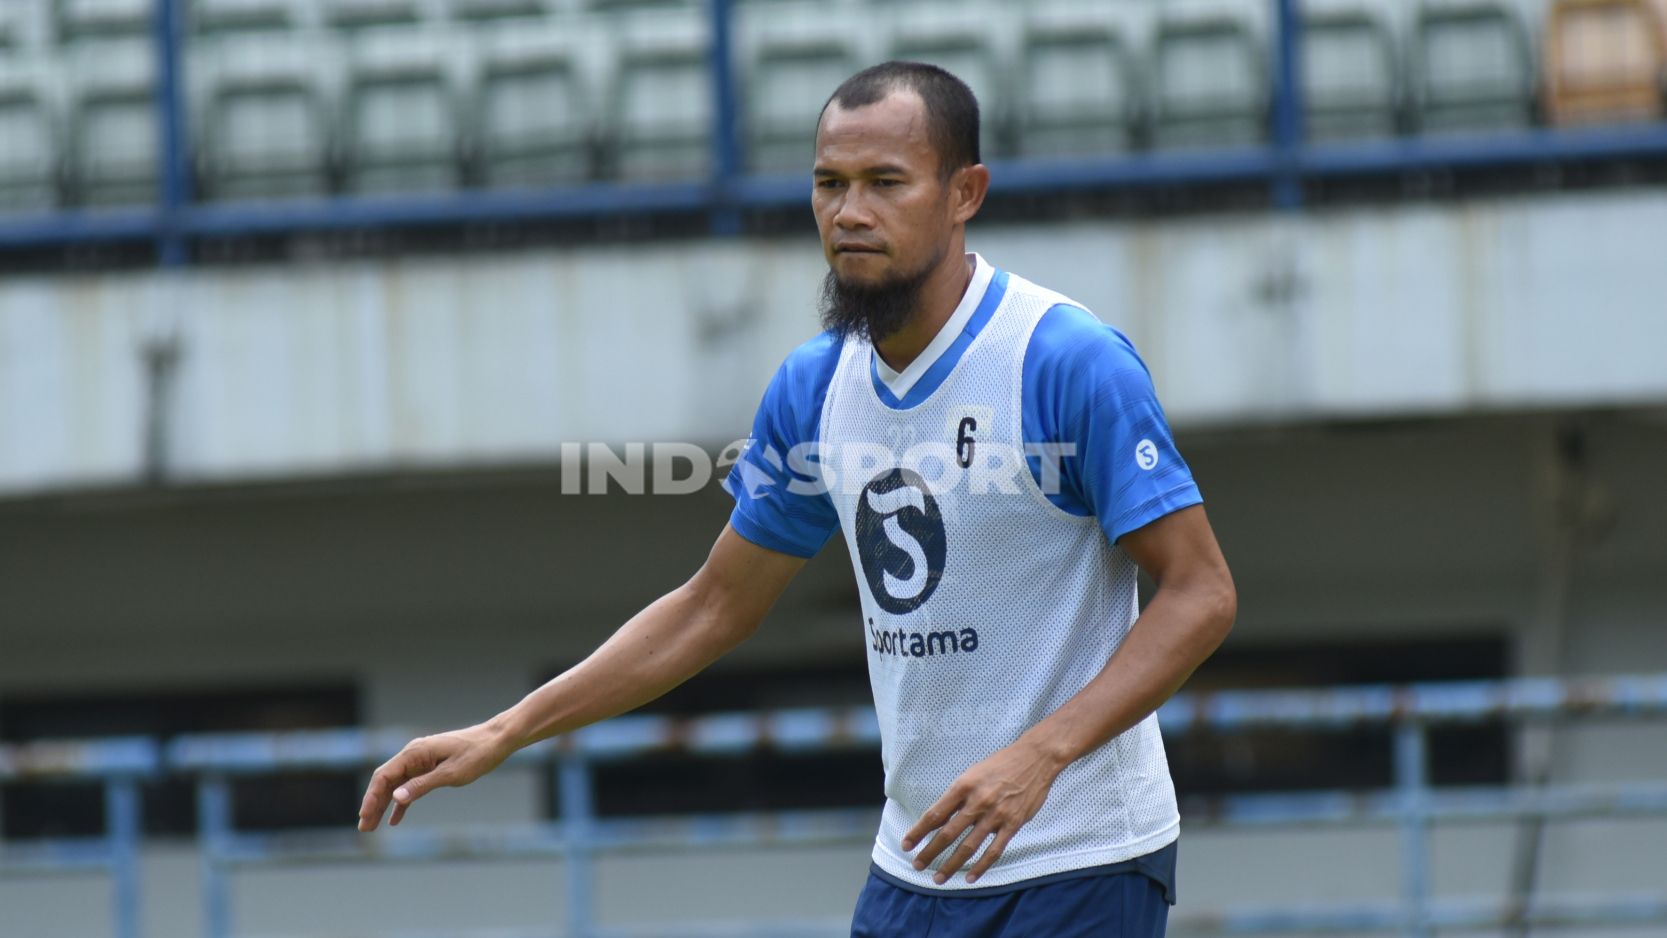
[(447, 760), (996, 796)]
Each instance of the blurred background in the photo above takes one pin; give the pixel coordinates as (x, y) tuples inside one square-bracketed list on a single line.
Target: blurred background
[(300, 301)]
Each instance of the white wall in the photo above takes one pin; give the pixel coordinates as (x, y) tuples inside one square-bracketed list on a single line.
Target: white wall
[(313, 369)]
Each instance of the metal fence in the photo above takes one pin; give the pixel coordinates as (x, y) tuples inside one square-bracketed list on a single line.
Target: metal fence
[(578, 836)]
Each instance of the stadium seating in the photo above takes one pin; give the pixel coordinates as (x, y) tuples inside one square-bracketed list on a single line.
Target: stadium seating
[(1348, 73), (401, 123), (224, 17), (351, 15), (1603, 62), (113, 123), (307, 97), (959, 40), (29, 144), (263, 127), (662, 108), (532, 117), (1471, 67), (1078, 91), (484, 10), (787, 84), (1210, 80), (81, 19)]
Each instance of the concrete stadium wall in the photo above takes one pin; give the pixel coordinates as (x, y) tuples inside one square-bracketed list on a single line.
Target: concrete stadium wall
[(443, 597), (318, 369)]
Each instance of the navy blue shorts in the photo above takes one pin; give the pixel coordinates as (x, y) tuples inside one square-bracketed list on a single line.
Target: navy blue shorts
[(1113, 905)]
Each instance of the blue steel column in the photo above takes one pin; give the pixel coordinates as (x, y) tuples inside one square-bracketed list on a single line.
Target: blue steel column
[(1412, 783), (578, 812), (726, 131), (174, 156), (121, 808), (214, 822), (1287, 105)]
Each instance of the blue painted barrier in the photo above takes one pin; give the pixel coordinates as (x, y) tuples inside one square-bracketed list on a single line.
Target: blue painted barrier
[(579, 837)]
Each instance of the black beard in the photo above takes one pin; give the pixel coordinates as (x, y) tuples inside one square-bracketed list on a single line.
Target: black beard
[(873, 312)]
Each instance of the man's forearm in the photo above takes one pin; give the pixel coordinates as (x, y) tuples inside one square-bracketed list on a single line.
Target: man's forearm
[(662, 646), (1172, 637)]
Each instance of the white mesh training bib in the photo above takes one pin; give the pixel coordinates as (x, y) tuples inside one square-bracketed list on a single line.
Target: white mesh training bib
[(985, 606)]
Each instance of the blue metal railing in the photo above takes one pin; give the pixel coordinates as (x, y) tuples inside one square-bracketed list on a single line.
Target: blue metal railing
[(1284, 165), (578, 836)]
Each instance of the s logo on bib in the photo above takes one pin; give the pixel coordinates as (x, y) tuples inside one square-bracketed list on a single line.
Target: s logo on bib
[(900, 539)]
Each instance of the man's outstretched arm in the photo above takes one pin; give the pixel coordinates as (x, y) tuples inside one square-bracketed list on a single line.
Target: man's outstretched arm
[(662, 646)]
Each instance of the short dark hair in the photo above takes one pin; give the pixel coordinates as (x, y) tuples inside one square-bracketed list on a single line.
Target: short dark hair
[(951, 108)]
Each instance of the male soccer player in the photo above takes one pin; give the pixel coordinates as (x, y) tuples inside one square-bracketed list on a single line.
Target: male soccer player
[(999, 466)]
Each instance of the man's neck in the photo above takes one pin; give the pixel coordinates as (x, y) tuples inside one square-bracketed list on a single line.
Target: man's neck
[(939, 297)]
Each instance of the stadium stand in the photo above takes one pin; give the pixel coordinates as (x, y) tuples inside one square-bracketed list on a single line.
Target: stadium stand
[(401, 120), (959, 39), (297, 98), (788, 82), (662, 108), (533, 124), (1349, 73), (1472, 69), (264, 127), (1078, 90), (82, 19), (1603, 62), (1210, 79), (29, 132), (113, 122)]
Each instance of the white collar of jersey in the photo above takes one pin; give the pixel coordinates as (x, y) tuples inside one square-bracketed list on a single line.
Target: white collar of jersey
[(900, 382)]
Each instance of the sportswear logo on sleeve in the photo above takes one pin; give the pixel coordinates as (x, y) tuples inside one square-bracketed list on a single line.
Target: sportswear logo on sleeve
[(900, 540), (1146, 455)]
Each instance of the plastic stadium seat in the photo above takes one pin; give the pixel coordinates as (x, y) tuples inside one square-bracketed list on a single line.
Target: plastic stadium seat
[(113, 151), (234, 16), (81, 18), (1471, 67), (1078, 92), (964, 49), (358, 14), (533, 123), (477, 10), (1348, 74), (28, 143), (662, 106), (1603, 62), (400, 122), (1211, 78), (265, 124), (789, 83), (11, 28)]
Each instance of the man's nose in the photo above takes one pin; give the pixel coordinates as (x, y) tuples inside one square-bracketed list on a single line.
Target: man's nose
[(853, 210)]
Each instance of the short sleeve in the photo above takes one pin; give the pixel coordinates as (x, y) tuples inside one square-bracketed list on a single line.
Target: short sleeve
[(1086, 390), (780, 503)]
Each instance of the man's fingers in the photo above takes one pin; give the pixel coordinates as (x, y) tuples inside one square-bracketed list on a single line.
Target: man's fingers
[(386, 783), (934, 817), (964, 852), (991, 855), (947, 835)]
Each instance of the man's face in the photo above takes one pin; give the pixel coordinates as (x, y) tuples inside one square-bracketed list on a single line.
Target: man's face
[(881, 206)]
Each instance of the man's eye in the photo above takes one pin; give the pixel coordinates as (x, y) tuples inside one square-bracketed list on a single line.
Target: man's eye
[(888, 183), (829, 183)]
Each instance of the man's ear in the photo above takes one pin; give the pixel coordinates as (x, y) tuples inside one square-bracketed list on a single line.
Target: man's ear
[(967, 188)]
